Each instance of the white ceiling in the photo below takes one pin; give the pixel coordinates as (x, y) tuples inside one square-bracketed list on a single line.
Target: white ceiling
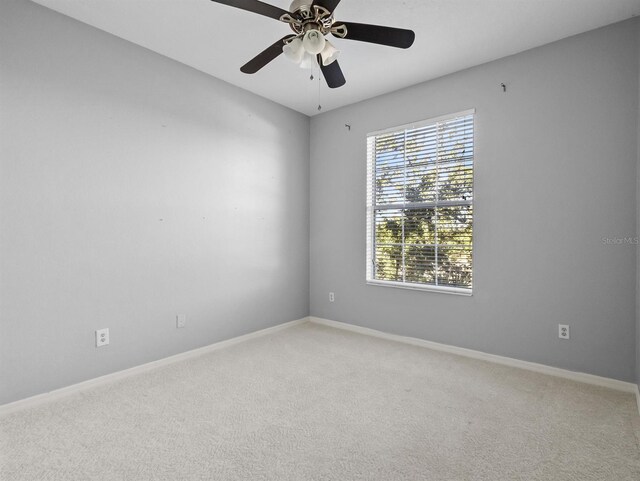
[(451, 35)]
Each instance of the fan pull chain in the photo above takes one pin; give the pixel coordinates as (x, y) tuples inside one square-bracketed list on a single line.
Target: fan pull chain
[(319, 85)]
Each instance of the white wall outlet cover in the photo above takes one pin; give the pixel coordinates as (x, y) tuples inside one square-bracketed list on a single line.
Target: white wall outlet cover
[(332, 297), (181, 320), (102, 337), (563, 331)]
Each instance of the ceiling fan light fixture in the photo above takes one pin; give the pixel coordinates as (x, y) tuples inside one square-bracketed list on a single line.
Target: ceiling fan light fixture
[(314, 42), (329, 54), (294, 50)]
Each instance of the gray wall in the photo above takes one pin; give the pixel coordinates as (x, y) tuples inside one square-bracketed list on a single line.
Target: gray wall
[(555, 174), (133, 188)]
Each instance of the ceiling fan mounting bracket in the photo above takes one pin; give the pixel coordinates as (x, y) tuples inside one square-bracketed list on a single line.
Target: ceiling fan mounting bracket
[(309, 17)]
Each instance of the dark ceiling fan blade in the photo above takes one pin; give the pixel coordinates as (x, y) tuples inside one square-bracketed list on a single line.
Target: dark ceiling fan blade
[(390, 36), (332, 74), (328, 4), (264, 57), (256, 7)]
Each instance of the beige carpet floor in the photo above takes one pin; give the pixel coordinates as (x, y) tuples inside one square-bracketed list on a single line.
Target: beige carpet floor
[(315, 403)]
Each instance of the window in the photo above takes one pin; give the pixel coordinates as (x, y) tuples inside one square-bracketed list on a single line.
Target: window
[(420, 205)]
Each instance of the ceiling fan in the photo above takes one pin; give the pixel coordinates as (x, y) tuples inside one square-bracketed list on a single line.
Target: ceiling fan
[(311, 21)]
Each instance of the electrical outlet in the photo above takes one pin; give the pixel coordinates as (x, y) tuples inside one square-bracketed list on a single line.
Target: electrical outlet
[(332, 297), (102, 337), (563, 331), (181, 321)]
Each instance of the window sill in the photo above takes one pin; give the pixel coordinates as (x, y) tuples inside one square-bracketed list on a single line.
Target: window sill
[(418, 287)]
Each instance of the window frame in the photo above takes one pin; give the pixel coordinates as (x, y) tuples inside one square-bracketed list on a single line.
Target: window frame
[(371, 207)]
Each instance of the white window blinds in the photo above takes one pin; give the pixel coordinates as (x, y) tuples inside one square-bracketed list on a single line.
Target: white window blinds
[(420, 204)]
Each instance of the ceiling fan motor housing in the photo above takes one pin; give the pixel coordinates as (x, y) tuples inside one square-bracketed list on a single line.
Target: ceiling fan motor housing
[(305, 16)]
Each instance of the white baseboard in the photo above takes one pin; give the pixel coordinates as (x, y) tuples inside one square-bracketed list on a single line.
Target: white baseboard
[(530, 366), (109, 378), (507, 361)]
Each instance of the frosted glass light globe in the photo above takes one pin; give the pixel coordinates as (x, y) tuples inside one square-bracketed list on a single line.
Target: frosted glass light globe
[(309, 61), (294, 50), (329, 54), (314, 42)]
